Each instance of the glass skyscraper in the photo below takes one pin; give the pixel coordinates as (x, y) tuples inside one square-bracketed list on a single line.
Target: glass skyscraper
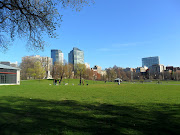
[(149, 61), (57, 56), (76, 56)]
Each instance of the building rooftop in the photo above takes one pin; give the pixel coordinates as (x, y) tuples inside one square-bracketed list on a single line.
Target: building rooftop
[(75, 48), (8, 67), (56, 50)]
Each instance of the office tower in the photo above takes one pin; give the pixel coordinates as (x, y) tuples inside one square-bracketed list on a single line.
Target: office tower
[(149, 61), (76, 56), (57, 56)]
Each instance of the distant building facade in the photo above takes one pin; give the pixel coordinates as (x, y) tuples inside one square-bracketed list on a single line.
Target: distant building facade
[(97, 68), (87, 65), (141, 69), (57, 56), (76, 56), (9, 75), (15, 64), (157, 68), (149, 61), (128, 69), (7, 63), (103, 72)]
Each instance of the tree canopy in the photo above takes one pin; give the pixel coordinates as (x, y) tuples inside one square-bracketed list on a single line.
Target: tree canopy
[(30, 19)]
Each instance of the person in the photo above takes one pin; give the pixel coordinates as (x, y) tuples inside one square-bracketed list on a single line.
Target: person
[(55, 81), (59, 82)]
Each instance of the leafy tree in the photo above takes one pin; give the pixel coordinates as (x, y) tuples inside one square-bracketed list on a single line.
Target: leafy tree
[(31, 72), (39, 70), (31, 18)]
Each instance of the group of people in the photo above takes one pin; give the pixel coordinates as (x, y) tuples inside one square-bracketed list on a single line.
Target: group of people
[(56, 81)]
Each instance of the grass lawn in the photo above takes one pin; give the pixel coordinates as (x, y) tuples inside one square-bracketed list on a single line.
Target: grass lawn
[(38, 107)]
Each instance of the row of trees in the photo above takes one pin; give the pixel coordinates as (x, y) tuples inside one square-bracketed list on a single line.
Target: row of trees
[(118, 72), (34, 69), (80, 71)]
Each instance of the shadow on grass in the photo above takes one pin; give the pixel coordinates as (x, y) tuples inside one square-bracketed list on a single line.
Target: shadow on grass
[(32, 116)]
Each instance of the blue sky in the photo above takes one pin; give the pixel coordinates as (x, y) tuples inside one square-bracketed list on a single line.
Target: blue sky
[(115, 32)]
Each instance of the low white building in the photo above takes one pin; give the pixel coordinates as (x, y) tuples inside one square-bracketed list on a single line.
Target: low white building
[(87, 65), (9, 75)]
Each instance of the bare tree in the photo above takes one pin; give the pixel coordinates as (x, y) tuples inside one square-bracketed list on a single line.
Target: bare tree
[(69, 70), (25, 65), (30, 19), (80, 71)]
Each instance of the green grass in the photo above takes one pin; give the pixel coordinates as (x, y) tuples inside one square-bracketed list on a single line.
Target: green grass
[(36, 107)]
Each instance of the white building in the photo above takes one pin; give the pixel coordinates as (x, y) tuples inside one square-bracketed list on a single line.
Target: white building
[(14, 64), (141, 69), (103, 72), (9, 75), (87, 65)]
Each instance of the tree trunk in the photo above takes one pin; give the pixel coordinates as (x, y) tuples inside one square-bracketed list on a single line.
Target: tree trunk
[(80, 78)]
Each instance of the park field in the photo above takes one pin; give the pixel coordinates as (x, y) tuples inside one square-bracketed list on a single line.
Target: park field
[(37, 107)]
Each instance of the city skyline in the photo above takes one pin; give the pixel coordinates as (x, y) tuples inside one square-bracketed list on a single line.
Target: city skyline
[(122, 35)]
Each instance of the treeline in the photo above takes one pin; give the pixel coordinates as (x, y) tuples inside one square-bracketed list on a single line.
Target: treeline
[(118, 72), (36, 69)]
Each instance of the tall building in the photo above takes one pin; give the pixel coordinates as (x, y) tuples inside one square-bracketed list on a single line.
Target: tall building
[(76, 56), (57, 56), (149, 61)]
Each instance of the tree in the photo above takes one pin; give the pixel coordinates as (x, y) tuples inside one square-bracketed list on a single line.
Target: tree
[(25, 65), (69, 70), (80, 71), (39, 70), (32, 18), (31, 73)]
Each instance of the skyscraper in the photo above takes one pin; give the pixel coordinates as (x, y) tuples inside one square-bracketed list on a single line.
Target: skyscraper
[(149, 61), (76, 56), (57, 56)]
